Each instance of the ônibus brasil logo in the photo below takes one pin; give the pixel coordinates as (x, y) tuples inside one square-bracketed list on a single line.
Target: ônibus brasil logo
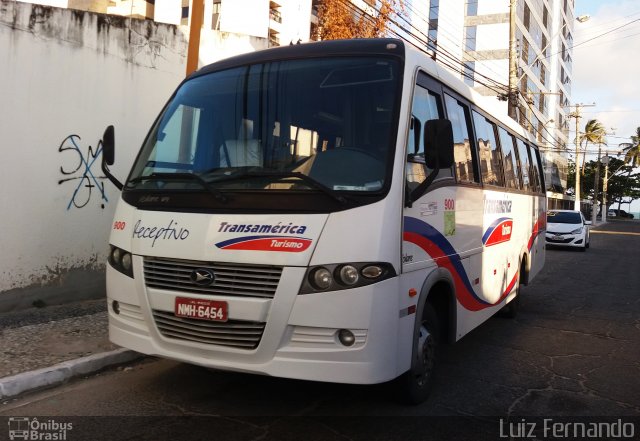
[(269, 237), (25, 428)]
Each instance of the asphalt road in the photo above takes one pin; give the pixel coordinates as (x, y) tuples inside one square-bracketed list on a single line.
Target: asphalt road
[(573, 351)]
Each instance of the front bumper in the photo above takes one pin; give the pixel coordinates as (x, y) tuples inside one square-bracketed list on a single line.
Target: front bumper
[(299, 338), (565, 240)]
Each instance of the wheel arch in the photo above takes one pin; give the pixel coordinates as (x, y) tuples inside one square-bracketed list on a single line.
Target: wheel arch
[(524, 263), (438, 290)]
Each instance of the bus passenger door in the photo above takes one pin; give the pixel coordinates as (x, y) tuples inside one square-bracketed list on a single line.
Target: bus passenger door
[(423, 214)]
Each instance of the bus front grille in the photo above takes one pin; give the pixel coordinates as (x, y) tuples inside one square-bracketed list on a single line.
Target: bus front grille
[(229, 279), (233, 333)]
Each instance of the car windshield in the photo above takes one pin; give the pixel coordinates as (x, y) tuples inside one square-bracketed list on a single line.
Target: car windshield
[(317, 125), (564, 217)]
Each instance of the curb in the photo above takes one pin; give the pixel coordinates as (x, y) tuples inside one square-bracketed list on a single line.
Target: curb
[(62, 372)]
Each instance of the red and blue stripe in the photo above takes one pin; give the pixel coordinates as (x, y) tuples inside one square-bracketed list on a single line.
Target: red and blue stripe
[(440, 249)]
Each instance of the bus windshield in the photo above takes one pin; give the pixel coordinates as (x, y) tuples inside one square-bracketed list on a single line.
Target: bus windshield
[(319, 124)]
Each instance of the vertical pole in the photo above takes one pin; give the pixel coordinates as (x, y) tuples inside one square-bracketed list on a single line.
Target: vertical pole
[(596, 185), (193, 51), (605, 181), (512, 98), (577, 192)]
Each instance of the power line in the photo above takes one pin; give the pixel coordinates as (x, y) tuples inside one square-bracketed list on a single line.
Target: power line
[(609, 41), (597, 36), (450, 60)]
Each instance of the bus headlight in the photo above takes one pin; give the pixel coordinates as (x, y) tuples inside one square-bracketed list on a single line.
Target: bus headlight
[(339, 276), (348, 274), (120, 260), (321, 278)]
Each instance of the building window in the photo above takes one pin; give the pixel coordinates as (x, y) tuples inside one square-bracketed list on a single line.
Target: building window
[(470, 37), (472, 8), (468, 73)]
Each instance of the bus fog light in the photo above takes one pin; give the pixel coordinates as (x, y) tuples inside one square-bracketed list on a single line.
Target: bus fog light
[(348, 275), (346, 337), (321, 278), (115, 306), (126, 261), (371, 271)]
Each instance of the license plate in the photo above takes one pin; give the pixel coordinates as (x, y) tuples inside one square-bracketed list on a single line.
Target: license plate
[(557, 237), (202, 309)]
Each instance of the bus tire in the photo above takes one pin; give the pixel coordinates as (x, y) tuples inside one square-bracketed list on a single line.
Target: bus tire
[(415, 384)]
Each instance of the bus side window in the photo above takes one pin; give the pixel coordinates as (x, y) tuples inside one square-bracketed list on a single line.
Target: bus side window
[(463, 151), (426, 106), (536, 179), (510, 163), (525, 166), (489, 151), (535, 157)]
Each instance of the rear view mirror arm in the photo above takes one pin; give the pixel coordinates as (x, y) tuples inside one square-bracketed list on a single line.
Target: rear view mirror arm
[(422, 187), (112, 178)]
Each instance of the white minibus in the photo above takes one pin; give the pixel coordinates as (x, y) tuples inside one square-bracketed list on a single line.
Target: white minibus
[(332, 211)]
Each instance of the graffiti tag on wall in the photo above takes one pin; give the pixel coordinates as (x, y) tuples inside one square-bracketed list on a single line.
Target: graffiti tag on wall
[(82, 172)]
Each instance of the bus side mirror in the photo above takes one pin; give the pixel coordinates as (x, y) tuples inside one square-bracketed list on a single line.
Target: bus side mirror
[(108, 145), (108, 155), (438, 141)]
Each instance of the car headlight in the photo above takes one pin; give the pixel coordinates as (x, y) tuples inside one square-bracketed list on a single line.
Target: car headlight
[(120, 260), (341, 276), (578, 231)]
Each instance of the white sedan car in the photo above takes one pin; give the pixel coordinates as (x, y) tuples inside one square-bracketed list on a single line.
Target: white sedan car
[(567, 228)]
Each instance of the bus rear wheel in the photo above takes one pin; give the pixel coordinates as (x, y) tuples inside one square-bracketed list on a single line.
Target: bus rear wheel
[(510, 310), (415, 384)]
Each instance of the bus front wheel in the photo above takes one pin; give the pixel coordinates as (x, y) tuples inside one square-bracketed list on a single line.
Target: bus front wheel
[(416, 383)]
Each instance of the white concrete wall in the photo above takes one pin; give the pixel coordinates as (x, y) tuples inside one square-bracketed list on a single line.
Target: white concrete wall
[(65, 75)]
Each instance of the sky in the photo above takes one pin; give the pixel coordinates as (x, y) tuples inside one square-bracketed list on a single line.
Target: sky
[(606, 69)]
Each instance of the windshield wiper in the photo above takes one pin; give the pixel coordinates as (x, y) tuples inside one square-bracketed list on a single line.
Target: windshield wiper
[(285, 174), (184, 177)]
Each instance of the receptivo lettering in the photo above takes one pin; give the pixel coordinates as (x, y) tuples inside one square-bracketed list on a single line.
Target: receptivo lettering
[(171, 231), (497, 206), (279, 228)]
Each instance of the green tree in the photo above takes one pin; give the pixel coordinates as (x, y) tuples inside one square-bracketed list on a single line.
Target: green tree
[(594, 133), (623, 183), (631, 152)]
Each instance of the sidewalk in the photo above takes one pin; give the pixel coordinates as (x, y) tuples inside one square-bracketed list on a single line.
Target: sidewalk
[(47, 346)]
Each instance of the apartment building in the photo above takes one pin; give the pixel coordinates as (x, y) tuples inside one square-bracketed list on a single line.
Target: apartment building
[(476, 34)]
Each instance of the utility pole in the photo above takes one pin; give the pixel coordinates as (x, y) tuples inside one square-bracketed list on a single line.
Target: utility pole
[(512, 98), (193, 50), (596, 184), (576, 114), (605, 182)]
